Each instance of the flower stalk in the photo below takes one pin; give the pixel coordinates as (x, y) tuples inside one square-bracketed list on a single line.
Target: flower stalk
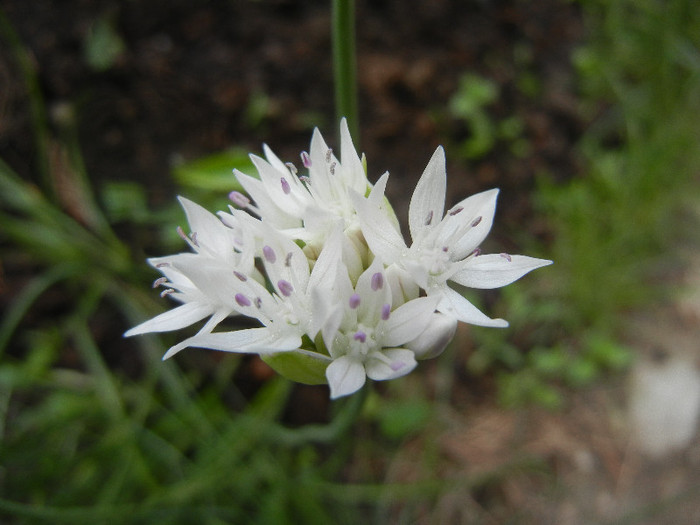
[(344, 63)]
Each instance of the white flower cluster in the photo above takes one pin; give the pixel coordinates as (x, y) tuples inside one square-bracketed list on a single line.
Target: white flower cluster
[(319, 260)]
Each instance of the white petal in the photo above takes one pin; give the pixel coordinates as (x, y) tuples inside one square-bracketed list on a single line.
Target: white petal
[(252, 341), (345, 376), (428, 200), (267, 206), (479, 209), (326, 267), (350, 160), (331, 325), (409, 320), (384, 241), (458, 306), (403, 286), (318, 172), (396, 362), (275, 161), (372, 300), (180, 317), (208, 228), (494, 271)]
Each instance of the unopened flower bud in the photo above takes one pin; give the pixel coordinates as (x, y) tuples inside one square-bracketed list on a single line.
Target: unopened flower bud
[(435, 338)]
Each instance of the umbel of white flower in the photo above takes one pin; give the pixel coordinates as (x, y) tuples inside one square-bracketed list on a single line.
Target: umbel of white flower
[(318, 259)]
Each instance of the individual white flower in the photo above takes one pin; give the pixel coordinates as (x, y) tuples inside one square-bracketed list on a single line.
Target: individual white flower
[(199, 280), (364, 337), (293, 308), (443, 248), (307, 207)]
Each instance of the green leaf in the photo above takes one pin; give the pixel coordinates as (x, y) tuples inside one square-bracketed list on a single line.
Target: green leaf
[(214, 172)]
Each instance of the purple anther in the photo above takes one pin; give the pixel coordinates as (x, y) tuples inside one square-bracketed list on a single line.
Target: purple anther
[(445, 249), (288, 259), (456, 210), (377, 281), (506, 257), (476, 221), (194, 239), (242, 300), (240, 276), (162, 265), (285, 186), (475, 253), (305, 159), (182, 234), (329, 154), (159, 281), (332, 168), (285, 287), (386, 312), (269, 254), (429, 218), (360, 336), (239, 199), (167, 291), (291, 167), (258, 303), (304, 179), (354, 301)]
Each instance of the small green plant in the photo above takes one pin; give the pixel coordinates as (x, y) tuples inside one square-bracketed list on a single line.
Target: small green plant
[(470, 104)]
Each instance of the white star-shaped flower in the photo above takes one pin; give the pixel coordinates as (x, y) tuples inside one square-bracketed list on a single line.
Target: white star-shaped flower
[(199, 280), (365, 337), (444, 248), (292, 309)]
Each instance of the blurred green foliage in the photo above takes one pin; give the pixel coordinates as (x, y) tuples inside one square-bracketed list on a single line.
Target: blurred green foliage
[(470, 104), (615, 229)]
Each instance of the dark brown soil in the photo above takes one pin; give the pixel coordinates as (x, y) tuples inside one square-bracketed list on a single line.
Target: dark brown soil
[(191, 72)]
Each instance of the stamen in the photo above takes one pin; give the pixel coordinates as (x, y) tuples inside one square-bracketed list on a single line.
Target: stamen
[(476, 221), (506, 257), (258, 303), (475, 253), (329, 154), (445, 249), (159, 281), (269, 254), (239, 199), (386, 312), (377, 281), (291, 167), (182, 234), (304, 179), (285, 287), (456, 210), (360, 336), (305, 159), (167, 292), (242, 300), (163, 265), (194, 239), (354, 301), (288, 260), (285, 186), (240, 276), (332, 168), (429, 218)]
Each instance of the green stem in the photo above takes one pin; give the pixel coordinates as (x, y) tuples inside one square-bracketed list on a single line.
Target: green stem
[(344, 63)]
